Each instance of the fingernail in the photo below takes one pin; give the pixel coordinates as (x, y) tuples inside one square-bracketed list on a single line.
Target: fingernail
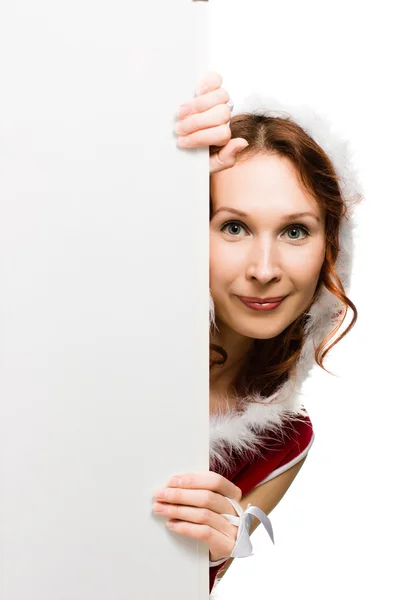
[(241, 147), (184, 110), (175, 482), (179, 128), (184, 142), (202, 90)]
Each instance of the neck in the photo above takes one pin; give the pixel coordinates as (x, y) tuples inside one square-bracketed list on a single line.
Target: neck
[(223, 376)]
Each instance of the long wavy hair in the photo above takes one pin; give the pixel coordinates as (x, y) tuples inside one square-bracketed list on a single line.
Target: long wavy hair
[(266, 369)]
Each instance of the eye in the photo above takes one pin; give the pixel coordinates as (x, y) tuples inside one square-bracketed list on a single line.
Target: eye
[(236, 223), (294, 228), (290, 229)]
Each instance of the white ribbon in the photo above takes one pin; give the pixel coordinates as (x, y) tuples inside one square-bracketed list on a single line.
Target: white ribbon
[(243, 546)]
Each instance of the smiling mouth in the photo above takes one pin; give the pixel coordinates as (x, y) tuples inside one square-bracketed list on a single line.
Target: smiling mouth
[(261, 300), (262, 306)]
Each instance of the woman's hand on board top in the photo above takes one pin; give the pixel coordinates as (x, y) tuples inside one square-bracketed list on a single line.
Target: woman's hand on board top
[(204, 121), (194, 503)]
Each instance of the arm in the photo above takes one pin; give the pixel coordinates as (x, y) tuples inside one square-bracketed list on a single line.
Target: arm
[(266, 497)]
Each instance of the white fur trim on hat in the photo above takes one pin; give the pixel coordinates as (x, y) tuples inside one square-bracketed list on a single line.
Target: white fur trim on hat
[(232, 431)]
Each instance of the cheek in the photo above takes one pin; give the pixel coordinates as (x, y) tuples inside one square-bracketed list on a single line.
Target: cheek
[(226, 261), (216, 271), (306, 267)]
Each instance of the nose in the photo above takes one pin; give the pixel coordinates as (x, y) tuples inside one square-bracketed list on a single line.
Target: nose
[(263, 263)]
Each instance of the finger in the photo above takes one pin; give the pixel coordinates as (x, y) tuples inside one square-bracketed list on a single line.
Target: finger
[(207, 481), (211, 81), (201, 516), (227, 155), (218, 543), (204, 102), (217, 115), (212, 136), (201, 498)]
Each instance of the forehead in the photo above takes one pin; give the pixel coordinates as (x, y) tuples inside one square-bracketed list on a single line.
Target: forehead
[(263, 181)]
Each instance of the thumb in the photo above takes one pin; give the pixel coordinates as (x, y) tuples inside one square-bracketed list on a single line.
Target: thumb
[(230, 151), (238, 144), (241, 143), (226, 156)]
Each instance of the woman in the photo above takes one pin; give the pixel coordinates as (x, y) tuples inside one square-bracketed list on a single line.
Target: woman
[(280, 258)]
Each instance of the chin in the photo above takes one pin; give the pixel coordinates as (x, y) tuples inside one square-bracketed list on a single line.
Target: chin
[(268, 335), (260, 333)]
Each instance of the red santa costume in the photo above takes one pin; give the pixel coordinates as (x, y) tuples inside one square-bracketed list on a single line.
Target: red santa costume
[(254, 446)]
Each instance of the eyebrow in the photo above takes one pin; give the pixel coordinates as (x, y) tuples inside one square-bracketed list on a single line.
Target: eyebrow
[(285, 218)]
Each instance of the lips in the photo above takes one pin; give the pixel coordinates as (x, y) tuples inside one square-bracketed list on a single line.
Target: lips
[(263, 306), (261, 300)]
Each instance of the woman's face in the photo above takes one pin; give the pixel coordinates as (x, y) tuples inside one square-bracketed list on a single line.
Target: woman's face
[(265, 253)]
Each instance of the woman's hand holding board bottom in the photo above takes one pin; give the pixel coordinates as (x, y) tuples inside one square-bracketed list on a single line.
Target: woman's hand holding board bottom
[(194, 502), (204, 121)]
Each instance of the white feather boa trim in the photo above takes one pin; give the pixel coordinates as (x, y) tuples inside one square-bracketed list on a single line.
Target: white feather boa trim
[(231, 431)]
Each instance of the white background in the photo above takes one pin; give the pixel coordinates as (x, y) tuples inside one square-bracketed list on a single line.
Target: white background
[(337, 528)]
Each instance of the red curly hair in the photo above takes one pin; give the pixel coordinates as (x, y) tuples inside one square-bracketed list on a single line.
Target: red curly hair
[(264, 371)]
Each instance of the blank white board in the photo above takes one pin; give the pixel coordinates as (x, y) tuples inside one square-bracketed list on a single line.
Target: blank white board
[(104, 298)]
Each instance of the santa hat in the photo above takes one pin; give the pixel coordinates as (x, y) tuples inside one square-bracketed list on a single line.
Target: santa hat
[(238, 431)]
